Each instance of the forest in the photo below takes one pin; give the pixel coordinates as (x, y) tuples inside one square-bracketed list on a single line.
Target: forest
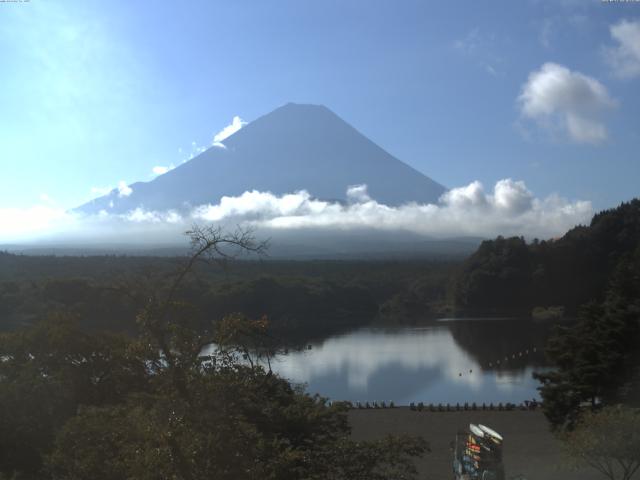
[(303, 299), (510, 276)]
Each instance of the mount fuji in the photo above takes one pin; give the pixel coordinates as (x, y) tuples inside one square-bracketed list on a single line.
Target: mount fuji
[(295, 147)]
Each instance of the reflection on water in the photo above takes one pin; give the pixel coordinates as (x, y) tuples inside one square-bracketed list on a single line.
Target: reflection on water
[(445, 362)]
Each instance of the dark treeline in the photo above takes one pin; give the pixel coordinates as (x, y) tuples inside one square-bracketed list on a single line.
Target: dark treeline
[(303, 299), (597, 360), (511, 276)]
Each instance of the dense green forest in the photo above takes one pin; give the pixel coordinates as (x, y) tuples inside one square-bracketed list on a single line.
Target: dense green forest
[(511, 276), (302, 299)]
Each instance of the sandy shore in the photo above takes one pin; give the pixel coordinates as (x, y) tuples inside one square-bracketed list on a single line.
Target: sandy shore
[(529, 449)]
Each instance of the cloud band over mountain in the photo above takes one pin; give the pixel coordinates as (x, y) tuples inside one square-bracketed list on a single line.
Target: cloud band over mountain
[(508, 209)]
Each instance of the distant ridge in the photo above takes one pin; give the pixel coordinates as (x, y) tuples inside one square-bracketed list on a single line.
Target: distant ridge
[(295, 147)]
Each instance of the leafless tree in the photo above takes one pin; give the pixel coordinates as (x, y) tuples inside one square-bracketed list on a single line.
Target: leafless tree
[(164, 320)]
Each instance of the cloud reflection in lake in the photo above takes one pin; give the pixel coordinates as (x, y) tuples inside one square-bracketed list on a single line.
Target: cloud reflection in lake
[(406, 365)]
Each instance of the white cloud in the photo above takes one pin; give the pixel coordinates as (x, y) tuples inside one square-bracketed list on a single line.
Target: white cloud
[(160, 170), (257, 205), (123, 189), (139, 215), (512, 197), (23, 223), (509, 209), (466, 197), (358, 194), (236, 124), (625, 57), (558, 98)]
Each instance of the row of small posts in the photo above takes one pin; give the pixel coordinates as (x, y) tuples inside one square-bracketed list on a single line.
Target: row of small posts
[(366, 404), (375, 405), (445, 407), (527, 405)]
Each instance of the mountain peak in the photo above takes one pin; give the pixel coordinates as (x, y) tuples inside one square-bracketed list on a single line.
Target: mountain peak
[(294, 147), (302, 105), (308, 107), (292, 109), (296, 116)]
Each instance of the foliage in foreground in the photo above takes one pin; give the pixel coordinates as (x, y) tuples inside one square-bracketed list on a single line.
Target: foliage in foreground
[(608, 441), (77, 405)]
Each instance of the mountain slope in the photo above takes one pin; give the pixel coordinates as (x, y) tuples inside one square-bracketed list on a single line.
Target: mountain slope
[(294, 147)]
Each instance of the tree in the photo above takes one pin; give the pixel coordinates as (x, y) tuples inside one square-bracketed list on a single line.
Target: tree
[(608, 441), (154, 407), (594, 357), (509, 276), (586, 357), (251, 339), (46, 373)]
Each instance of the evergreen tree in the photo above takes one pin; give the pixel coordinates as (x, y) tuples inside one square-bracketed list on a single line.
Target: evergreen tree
[(596, 356)]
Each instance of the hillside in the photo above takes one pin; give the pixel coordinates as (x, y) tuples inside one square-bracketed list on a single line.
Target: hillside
[(509, 275)]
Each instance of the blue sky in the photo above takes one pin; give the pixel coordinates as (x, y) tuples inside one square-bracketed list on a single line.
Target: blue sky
[(95, 93)]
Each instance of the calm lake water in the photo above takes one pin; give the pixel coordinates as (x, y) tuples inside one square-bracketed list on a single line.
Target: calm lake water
[(446, 361)]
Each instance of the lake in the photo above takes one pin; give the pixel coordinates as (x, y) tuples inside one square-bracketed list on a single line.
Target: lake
[(474, 360)]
